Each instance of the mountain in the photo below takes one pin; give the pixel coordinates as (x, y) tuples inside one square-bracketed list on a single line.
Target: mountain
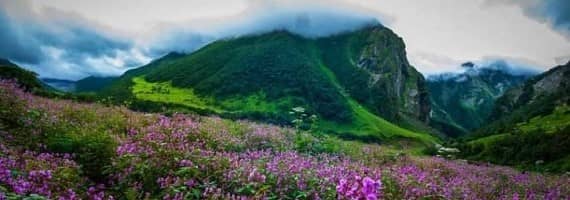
[(551, 87), (60, 84), (358, 83), (5, 62), (93, 83), (531, 125), (462, 102), (88, 84)]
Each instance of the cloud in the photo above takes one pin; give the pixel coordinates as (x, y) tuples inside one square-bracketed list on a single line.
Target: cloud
[(508, 66), (16, 46), (513, 67), (73, 39), (61, 44), (58, 44), (312, 20), (554, 12)]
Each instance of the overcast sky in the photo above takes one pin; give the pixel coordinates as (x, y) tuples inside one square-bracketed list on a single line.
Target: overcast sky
[(72, 39)]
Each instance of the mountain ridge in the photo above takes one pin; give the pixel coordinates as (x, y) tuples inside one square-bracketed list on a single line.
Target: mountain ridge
[(331, 77), (530, 127), (464, 101)]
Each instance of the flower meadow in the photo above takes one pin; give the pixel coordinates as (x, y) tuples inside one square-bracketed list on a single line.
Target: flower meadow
[(60, 149)]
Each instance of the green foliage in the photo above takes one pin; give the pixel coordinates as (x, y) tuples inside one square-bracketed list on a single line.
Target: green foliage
[(164, 92), (302, 120), (93, 147), (93, 151), (78, 130), (291, 74), (208, 157), (318, 143), (25, 78), (540, 139), (94, 154), (30, 83)]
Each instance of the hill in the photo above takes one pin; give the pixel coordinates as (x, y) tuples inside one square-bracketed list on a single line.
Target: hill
[(25, 78), (93, 83), (88, 84), (359, 84), (531, 125), (463, 102)]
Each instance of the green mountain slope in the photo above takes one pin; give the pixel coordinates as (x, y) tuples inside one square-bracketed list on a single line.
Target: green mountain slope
[(463, 102), (352, 81), (532, 125), (93, 83)]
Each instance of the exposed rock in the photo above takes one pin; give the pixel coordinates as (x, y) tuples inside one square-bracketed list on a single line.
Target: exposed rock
[(384, 59), (463, 102), (551, 84)]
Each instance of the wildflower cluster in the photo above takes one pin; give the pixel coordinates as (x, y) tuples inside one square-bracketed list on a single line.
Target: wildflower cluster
[(89, 151)]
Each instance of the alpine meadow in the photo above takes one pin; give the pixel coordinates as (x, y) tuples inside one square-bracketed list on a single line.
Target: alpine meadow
[(250, 99)]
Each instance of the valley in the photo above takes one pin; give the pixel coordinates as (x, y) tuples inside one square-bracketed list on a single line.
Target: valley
[(281, 106)]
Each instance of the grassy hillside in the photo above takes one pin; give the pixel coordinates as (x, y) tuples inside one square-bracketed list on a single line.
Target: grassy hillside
[(541, 143), (264, 76), (27, 79), (364, 125)]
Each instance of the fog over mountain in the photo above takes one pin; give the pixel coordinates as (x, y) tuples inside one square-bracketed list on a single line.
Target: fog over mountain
[(482, 67), (71, 40)]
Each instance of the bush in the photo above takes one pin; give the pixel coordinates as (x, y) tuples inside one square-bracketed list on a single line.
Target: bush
[(94, 153)]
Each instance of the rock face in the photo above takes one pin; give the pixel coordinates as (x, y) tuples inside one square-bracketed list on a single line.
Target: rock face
[(463, 102), (382, 79), (384, 59), (551, 87)]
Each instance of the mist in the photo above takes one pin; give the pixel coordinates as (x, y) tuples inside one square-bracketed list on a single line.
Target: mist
[(512, 67), (64, 45), (67, 39), (312, 21)]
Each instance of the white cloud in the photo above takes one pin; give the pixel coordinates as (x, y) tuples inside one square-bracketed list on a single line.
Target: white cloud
[(439, 34)]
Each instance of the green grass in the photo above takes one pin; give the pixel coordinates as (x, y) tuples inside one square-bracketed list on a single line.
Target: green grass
[(549, 123), (166, 93), (364, 125), (371, 127), (257, 102), (540, 138)]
